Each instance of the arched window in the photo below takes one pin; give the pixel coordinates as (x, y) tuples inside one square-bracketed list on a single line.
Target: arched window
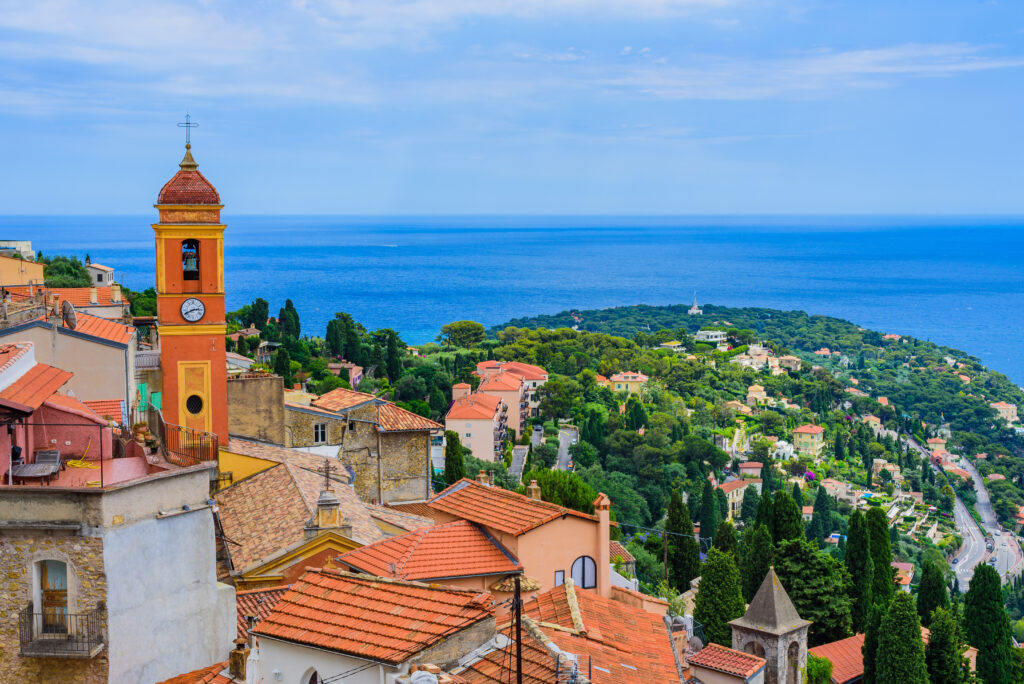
[(314, 678), (584, 572), (190, 259)]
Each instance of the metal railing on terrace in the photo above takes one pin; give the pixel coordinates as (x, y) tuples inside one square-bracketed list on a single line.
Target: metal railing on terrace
[(181, 445), (55, 634)]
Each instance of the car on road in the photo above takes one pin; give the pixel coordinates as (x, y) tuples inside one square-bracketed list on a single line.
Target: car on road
[(955, 561), (1003, 544)]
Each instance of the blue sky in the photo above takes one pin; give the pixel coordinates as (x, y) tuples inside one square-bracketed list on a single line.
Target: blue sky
[(517, 106)]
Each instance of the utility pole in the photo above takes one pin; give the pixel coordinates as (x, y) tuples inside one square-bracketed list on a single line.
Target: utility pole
[(517, 605)]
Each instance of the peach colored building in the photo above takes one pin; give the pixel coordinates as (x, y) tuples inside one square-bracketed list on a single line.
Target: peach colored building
[(552, 543), (510, 388), (756, 395), (479, 419), (734, 490), (809, 439), (627, 381), (1007, 412), (533, 377)]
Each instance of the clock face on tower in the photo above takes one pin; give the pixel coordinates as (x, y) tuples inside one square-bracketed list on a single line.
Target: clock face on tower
[(192, 309)]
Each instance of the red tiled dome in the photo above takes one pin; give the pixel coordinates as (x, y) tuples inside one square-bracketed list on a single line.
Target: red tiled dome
[(188, 186)]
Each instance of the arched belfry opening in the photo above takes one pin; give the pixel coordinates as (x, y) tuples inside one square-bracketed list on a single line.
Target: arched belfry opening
[(772, 629)]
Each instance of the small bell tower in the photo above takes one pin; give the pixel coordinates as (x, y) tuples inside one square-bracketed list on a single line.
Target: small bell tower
[(190, 299)]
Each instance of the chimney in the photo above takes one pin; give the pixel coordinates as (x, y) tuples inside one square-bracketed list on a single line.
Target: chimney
[(237, 658), (460, 390), (297, 386), (533, 490), (490, 477), (481, 477), (93, 296), (602, 506), (115, 293)]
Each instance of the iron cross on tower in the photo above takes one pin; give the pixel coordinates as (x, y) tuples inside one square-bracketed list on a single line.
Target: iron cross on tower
[(326, 469), (188, 126)]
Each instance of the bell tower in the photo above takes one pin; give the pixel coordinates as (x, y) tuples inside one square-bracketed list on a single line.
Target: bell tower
[(190, 300)]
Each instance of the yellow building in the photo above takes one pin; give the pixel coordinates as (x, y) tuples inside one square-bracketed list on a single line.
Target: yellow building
[(809, 439), (628, 381), (14, 271)]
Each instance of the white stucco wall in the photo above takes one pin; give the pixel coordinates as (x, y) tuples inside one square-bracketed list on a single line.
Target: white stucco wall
[(167, 614), (295, 663)]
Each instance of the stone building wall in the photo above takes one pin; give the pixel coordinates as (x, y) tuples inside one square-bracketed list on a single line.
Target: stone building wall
[(256, 408), (299, 428), (87, 589)]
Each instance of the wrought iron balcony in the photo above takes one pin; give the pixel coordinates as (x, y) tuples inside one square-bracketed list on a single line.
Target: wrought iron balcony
[(60, 635)]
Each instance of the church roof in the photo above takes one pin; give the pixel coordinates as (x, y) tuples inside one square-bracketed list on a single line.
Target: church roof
[(188, 186), (771, 610)]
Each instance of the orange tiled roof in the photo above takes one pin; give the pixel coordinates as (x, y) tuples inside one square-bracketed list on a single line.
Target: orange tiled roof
[(810, 429), (101, 327), (79, 296), (11, 352), (371, 617), (717, 657), (37, 385), (733, 485), (474, 407), (630, 643), (846, 656), (258, 603), (757, 465), (498, 508), (455, 549), (528, 371), (617, 550), (629, 377), (105, 408), (341, 398), (493, 667), (63, 401), (210, 674), (398, 518), (501, 382), (393, 418), (420, 508), (267, 512)]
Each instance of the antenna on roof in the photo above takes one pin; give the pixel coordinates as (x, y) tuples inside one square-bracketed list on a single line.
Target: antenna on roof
[(67, 312)]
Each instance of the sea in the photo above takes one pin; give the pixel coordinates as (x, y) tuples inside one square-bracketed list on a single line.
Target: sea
[(957, 281)]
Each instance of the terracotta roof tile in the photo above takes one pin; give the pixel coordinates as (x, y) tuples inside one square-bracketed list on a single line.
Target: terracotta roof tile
[(188, 187), (474, 407), (63, 401), (498, 508), (809, 429), (11, 352), (501, 382), (105, 408), (39, 383), (626, 645), (210, 674), (419, 508), (370, 617), (525, 370), (341, 398), (846, 656), (494, 667), (256, 602), (79, 296), (733, 485), (267, 512), (395, 419), (717, 657), (617, 550), (456, 549), (398, 518)]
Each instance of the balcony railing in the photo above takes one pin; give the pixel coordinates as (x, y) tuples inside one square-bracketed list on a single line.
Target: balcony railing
[(60, 635), (184, 446)]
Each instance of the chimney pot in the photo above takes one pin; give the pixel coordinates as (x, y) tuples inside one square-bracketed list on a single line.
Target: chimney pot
[(533, 490), (93, 296), (237, 658), (115, 292), (481, 477)]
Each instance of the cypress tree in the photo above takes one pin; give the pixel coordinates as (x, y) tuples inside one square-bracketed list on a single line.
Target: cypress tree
[(718, 598), (900, 655), (931, 593), (859, 564), (454, 467), (821, 520), (944, 653), (881, 556), (725, 541), (818, 586), (283, 365), (757, 558), (988, 626), (683, 554), (394, 358), (748, 509), (797, 494), (765, 513), (840, 449), (722, 503), (870, 648), (708, 511), (789, 523)]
